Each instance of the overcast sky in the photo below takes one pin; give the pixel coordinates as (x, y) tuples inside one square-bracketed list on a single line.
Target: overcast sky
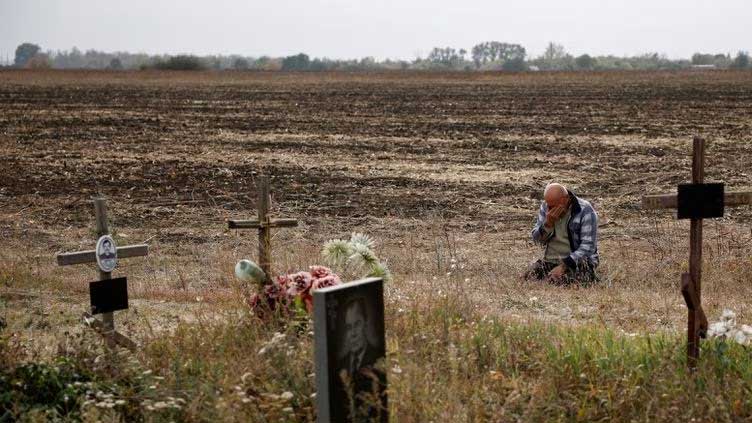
[(385, 28)]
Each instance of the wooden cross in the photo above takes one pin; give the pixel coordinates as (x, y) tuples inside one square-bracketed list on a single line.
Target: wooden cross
[(264, 224), (105, 327), (696, 201)]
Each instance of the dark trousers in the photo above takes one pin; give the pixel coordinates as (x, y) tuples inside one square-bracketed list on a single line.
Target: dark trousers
[(584, 274)]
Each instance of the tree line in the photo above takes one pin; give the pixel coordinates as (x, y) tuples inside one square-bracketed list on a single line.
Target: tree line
[(488, 55)]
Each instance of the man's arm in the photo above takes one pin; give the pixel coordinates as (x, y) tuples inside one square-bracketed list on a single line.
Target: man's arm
[(588, 239), (540, 235)]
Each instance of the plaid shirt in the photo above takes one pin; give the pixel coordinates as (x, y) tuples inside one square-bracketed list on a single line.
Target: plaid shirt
[(582, 229)]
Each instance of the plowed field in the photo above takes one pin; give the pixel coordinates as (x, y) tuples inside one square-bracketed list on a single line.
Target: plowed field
[(435, 166)]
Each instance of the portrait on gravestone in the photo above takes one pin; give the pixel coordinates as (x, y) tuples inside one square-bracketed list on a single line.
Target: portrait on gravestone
[(106, 253), (355, 352), (356, 346)]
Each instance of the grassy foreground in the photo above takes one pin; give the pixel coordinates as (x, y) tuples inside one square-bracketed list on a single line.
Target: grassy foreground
[(445, 363)]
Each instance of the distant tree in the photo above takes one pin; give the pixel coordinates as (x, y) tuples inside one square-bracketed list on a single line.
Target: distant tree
[(115, 64), (719, 60), (741, 61), (39, 61), (180, 62), (446, 57), (517, 64), (555, 57), (511, 52), (76, 58), (262, 62), (491, 51), (441, 56), (298, 62), (723, 61), (367, 63), (24, 53), (319, 65), (241, 63), (585, 62), (647, 61), (68, 59), (478, 53), (702, 59), (554, 52)]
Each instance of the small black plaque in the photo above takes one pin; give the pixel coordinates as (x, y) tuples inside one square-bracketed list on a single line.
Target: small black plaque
[(108, 295), (700, 201)]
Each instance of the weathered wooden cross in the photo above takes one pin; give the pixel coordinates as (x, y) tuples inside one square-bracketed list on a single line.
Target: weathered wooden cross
[(105, 327), (696, 201), (264, 224)]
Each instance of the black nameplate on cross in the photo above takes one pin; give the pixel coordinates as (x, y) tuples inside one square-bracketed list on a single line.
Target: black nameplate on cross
[(108, 295), (700, 201)]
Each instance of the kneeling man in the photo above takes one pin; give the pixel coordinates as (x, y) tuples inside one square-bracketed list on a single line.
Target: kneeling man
[(567, 227)]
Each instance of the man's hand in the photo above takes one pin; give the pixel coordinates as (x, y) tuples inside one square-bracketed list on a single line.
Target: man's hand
[(558, 272), (554, 215)]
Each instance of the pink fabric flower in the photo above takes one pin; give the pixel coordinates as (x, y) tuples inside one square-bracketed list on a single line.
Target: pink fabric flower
[(300, 283), (320, 272), (283, 281), (281, 293), (326, 281)]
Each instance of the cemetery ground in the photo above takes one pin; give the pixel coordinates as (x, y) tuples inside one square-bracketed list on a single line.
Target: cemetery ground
[(445, 171)]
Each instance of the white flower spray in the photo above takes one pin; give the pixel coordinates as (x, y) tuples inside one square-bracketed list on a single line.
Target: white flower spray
[(355, 257), (727, 328)]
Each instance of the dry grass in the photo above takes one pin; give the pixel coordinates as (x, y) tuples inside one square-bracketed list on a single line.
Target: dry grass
[(467, 339)]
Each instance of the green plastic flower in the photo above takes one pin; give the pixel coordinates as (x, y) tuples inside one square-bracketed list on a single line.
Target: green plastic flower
[(336, 252), (379, 270), (362, 256), (358, 238)]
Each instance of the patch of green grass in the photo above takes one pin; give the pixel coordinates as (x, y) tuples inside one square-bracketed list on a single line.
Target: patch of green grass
[(445, 363), (492, 370)]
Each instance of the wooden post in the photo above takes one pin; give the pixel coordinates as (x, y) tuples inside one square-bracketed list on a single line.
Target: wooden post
[(264, 233), (695, 257), (264, 223), (100, 209)]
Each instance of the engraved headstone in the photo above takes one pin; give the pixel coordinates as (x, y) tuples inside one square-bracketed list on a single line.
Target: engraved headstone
[(350, 352)]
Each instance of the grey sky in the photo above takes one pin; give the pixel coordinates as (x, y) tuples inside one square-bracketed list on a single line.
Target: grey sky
[(386, 28)]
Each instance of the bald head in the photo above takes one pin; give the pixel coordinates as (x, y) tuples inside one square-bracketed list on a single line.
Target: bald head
[(555, 194)]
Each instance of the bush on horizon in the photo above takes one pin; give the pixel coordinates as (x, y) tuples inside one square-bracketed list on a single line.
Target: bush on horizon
[(181, 62)]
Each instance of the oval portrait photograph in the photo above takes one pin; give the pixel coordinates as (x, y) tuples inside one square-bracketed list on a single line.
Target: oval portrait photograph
[(106, 253)]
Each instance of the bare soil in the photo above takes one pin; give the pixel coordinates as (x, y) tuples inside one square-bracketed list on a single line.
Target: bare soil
[(435, 166)]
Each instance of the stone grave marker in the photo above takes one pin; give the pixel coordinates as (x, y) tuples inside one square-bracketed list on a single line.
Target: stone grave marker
[(350, 352)]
